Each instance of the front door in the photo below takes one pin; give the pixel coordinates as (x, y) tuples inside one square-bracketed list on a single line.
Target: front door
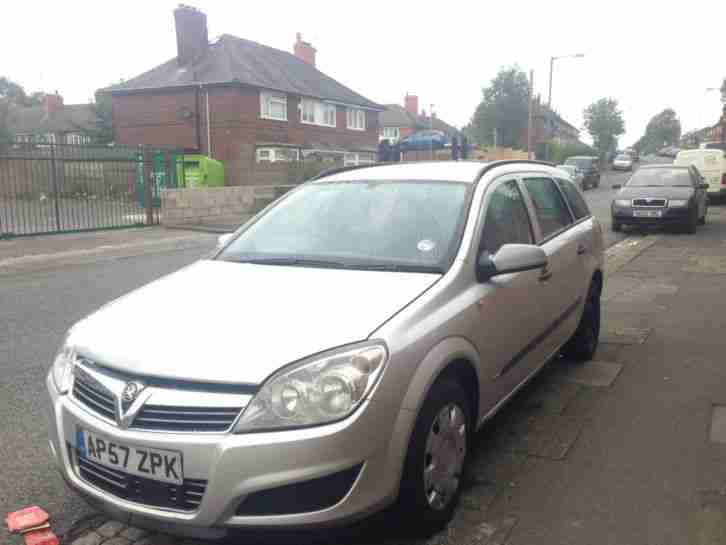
[(507, 307)]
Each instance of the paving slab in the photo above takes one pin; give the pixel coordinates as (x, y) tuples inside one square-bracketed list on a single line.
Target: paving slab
[(626, 335), (595, 374)]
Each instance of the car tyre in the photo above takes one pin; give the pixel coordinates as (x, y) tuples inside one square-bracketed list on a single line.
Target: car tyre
[(702, 221), (692, 224), (616, 227), (433, 469), (583, 343)]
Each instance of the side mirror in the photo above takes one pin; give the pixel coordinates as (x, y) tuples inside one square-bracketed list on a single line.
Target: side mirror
[(617, 186), (510, 258), (224, 239)]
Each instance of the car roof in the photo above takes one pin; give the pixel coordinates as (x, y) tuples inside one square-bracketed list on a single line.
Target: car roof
[(448, 171)]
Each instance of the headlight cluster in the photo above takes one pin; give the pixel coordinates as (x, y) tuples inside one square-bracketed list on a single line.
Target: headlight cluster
[(62, 368), (677, 203), (316, 391), (622, 203)]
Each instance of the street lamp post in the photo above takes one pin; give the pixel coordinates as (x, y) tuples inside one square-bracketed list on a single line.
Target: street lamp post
[(552, 67), (700, 112), (549, 96)]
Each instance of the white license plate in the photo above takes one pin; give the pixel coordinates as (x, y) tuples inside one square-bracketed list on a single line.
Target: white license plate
[(151, 463), (647, 213)]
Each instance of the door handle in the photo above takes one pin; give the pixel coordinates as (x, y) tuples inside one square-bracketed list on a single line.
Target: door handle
[(581, 249), (545, 275)]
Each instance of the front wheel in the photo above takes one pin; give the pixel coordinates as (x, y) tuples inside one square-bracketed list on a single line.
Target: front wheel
[(583, 343), (616, 226), (435, 459)]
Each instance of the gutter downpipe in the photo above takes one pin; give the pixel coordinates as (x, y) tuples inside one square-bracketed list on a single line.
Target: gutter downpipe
[(209, 132)]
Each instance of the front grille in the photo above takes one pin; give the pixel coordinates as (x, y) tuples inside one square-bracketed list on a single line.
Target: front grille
[(185, 497), (649, 202), (93, 397), (189, 419)]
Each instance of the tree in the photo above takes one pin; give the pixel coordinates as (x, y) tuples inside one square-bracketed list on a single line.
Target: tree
[(13, 95), (503, 109), (604, 121), (664, 129), (102, 130), (723, 91)]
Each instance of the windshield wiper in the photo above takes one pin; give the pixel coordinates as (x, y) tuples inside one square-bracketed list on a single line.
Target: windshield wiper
[(400, 268), (293, 261)]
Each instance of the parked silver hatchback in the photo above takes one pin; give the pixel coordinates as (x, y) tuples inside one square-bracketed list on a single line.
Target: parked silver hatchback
[(335, 354)]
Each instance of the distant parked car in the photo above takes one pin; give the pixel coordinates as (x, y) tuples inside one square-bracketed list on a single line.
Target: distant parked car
[(623, 162), (633, 153), (590, 168), (575, 173), (424, 140), (661, 195)]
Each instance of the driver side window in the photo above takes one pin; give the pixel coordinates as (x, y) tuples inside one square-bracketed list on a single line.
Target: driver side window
[(506, 220)]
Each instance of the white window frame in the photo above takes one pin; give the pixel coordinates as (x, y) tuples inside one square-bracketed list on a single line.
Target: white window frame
[(266, 98), (316, 112), (356, 119), (352, 158), (271, 155), (396, 133)]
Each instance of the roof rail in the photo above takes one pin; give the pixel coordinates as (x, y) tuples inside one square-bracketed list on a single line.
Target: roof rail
[(336, 170), (494, 164)]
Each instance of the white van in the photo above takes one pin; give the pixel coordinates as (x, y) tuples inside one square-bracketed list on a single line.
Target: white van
[(711, 163)]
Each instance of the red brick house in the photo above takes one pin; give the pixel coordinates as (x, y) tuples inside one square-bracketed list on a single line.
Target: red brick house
[(244, 103), (53, 122), (398, 122)]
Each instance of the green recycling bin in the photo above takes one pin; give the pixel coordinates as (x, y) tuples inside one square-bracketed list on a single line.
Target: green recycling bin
[(199, 171)]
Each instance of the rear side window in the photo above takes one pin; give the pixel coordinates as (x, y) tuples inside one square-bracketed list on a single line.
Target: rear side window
[(574, 198), (550, 208)]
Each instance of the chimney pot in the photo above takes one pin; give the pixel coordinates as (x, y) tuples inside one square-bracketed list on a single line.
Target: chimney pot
[(51, 103), (192, 36), (410, 103), (303, 50)]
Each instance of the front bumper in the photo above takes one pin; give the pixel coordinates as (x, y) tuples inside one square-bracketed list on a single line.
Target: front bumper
[(670, 216), (238, 466)]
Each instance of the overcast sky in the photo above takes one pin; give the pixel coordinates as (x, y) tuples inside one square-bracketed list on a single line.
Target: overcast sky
[(645, 54)]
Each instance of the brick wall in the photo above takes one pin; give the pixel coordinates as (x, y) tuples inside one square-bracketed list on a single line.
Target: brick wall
[(155, 119), (216, 205)]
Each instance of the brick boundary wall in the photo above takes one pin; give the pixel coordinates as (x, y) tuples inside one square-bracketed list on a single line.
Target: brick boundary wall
[(216, 205)]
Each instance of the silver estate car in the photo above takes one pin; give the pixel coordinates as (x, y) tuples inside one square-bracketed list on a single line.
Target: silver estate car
[(334, 355)]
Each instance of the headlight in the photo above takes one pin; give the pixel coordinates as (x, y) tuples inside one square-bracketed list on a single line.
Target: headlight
[(622, 203), (675, 203), (316, 391), (62, 369)]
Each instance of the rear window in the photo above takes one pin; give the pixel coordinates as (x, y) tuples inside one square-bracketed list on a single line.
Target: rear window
[(582, 163)]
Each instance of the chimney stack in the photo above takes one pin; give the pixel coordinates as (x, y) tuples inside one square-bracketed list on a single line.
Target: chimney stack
[(51, 103), (410, 103), (304, 51), (192, 38)]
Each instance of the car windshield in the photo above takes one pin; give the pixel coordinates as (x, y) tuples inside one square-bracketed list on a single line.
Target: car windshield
[(391, 225), (622, 158), (581, 163), (661, 177)]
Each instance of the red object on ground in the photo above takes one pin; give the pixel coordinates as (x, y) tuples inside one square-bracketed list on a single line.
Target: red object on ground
[(41, 537), (27, 518)]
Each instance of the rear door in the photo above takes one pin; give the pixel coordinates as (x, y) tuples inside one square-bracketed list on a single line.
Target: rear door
[(710, 163), (564, 278)]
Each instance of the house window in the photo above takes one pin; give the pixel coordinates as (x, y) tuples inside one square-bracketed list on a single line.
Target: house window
[(362, 158), (315, 112), (273, 106), (356, 119), (391, 133), (76, 139), (277, 155)]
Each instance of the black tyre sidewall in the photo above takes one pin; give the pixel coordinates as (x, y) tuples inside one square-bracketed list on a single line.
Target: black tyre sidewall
[(412, 504), (577, 348)]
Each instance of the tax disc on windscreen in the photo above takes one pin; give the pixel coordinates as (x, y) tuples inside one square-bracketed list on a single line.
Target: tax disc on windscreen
[(426, 245)]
